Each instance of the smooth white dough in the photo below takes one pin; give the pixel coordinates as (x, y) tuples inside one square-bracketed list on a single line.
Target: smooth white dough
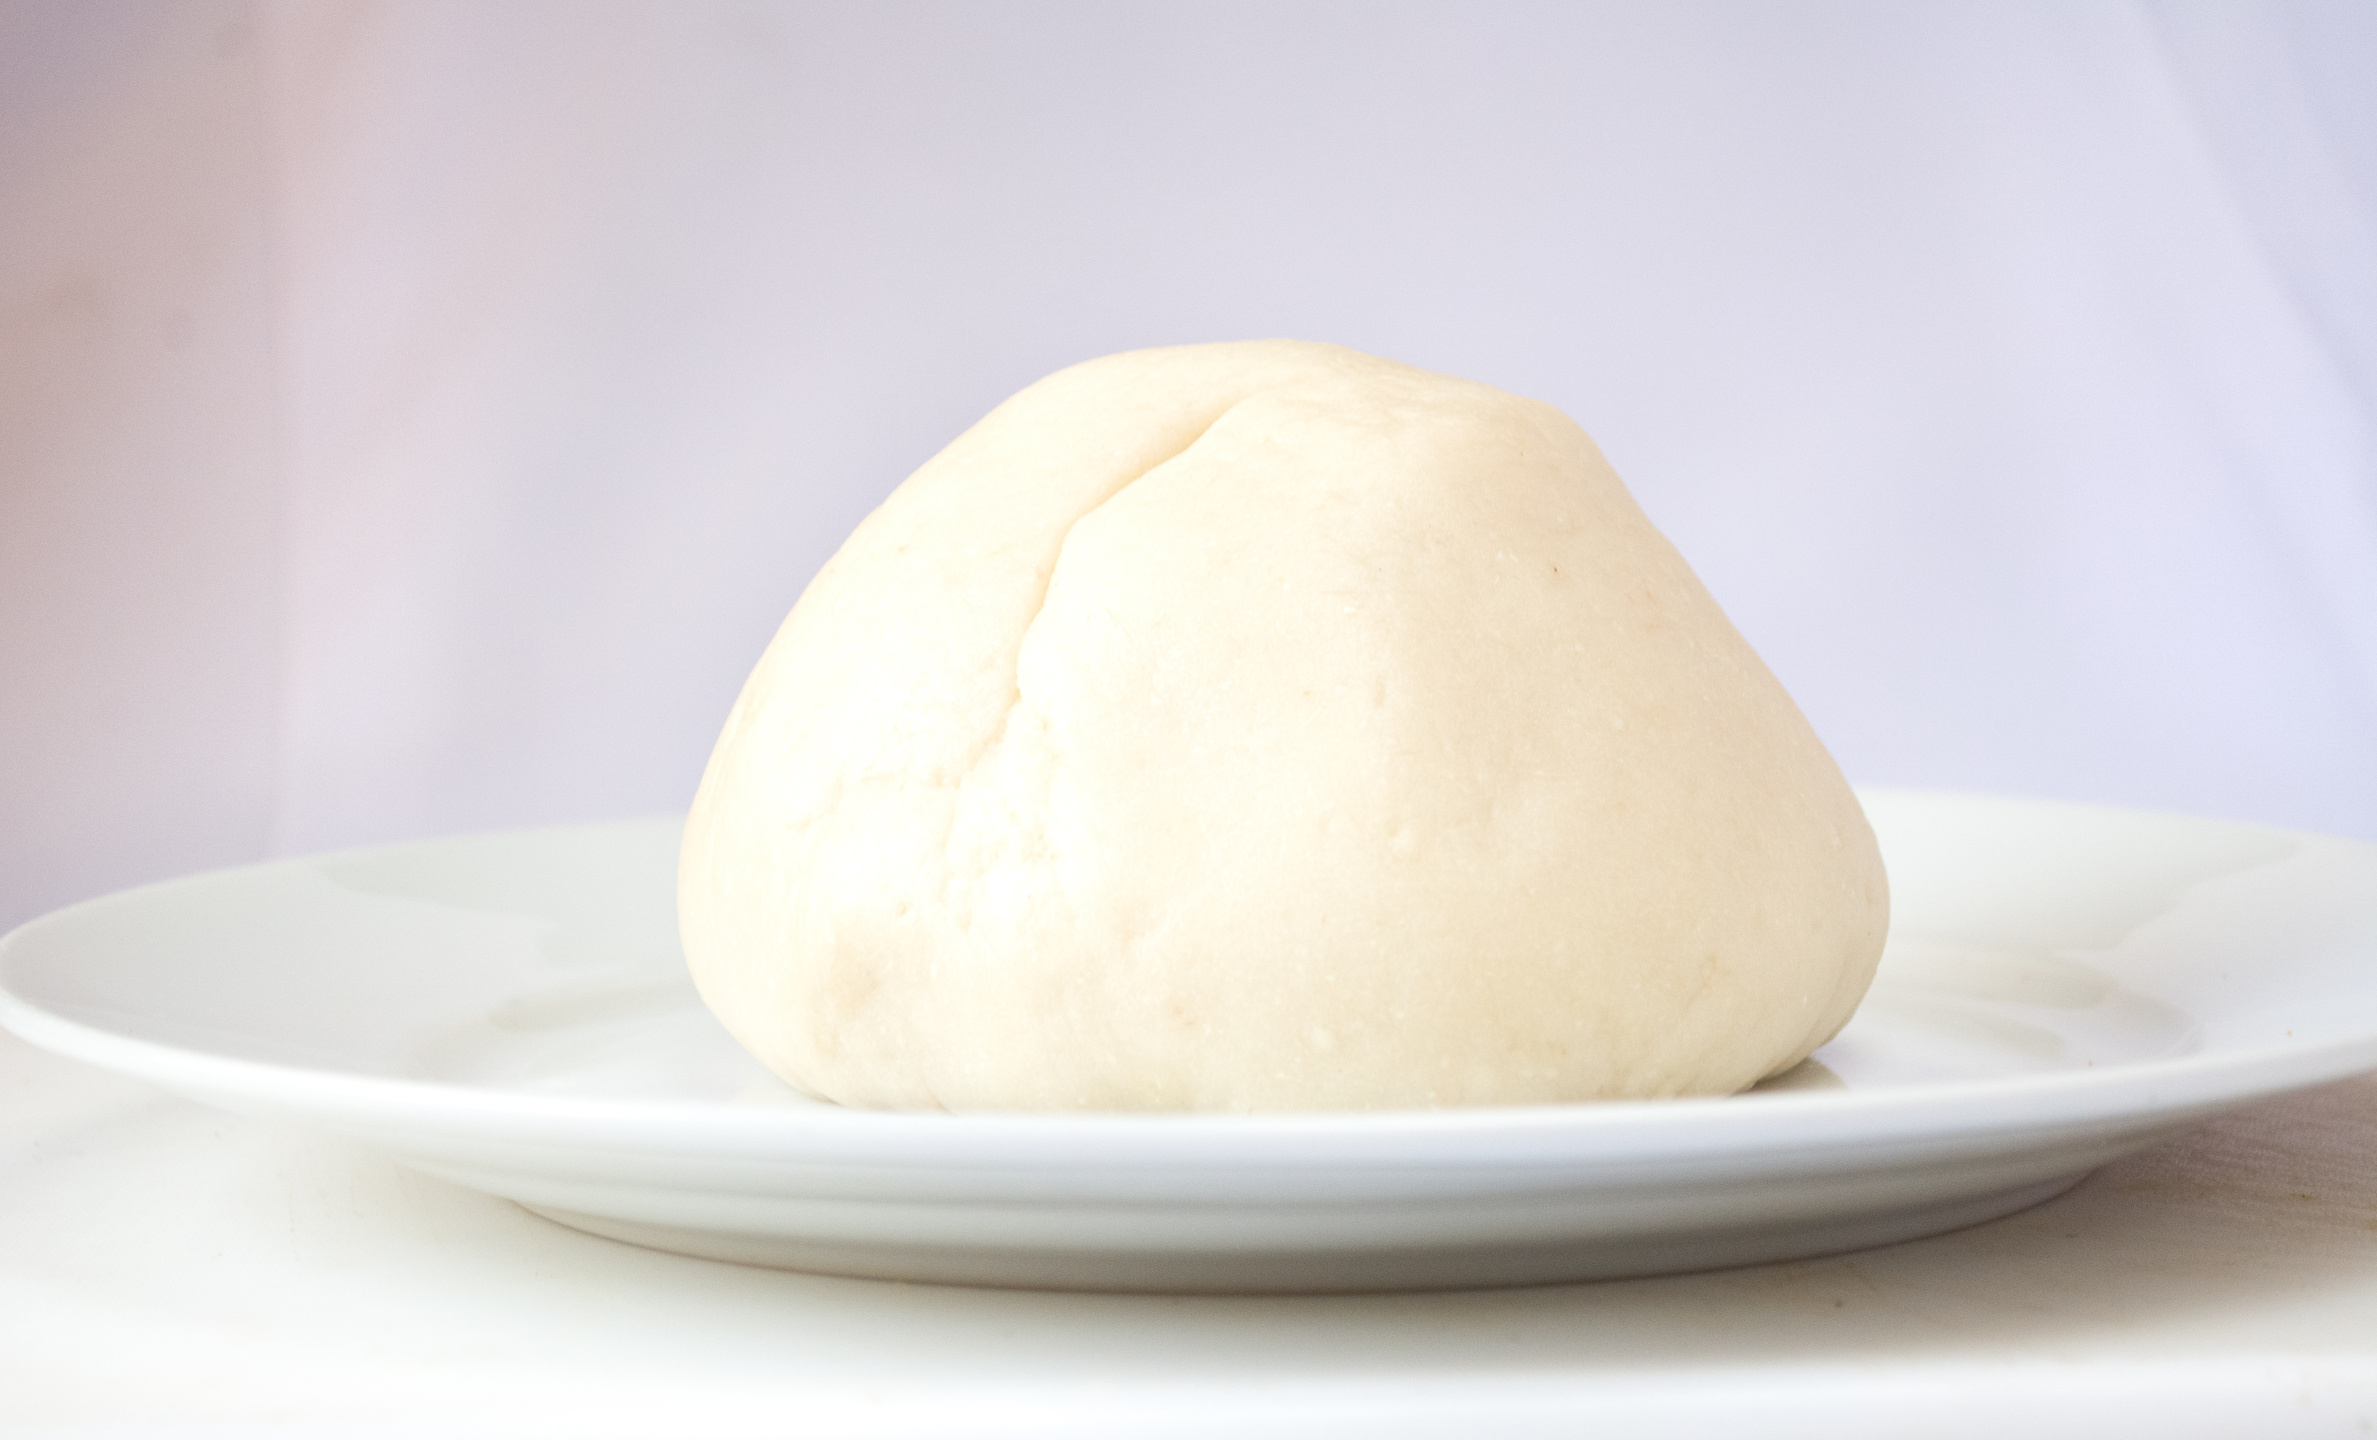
[(1266, 726)]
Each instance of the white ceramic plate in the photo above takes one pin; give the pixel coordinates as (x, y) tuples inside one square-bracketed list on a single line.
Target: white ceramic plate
[(2063, 984)]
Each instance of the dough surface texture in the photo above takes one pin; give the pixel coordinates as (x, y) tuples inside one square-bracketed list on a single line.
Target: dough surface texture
[(1265, 726)]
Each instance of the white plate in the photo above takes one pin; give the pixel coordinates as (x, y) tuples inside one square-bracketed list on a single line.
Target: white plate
[(2063, 984)]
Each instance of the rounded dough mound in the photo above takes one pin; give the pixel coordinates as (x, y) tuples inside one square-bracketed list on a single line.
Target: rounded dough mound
[(1269, 727)]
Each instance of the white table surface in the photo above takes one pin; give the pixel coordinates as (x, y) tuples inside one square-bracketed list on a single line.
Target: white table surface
[(171, 1270)]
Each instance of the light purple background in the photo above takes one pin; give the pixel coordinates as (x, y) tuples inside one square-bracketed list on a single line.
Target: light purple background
[(415, 418)]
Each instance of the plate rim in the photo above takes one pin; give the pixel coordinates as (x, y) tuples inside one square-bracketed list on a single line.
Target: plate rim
[(2177, 1087)]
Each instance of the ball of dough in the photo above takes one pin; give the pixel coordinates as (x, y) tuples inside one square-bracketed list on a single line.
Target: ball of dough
[(1269, 727)]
